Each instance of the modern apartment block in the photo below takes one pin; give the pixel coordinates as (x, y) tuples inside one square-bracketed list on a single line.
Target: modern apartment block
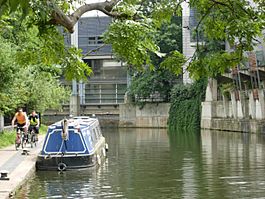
[(108, 82), (104, 90)]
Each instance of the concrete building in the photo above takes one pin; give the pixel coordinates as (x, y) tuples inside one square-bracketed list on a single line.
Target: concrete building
[(234, 101), (242, 106), (106, 87), (108, 83)]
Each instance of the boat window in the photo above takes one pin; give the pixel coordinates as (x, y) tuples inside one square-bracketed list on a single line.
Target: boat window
[(98, 130), (93, 137), (94, 134), (97, 133)]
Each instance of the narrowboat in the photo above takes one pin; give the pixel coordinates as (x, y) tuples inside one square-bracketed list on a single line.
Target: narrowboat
[(74, 143)]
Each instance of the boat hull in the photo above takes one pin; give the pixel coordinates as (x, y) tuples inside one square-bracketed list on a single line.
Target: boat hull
[(65, 163)]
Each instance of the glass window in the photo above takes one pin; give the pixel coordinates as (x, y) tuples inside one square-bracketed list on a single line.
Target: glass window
[(95, 134), (98, 130)]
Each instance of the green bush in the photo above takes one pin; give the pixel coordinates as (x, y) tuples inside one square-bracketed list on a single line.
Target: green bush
[(185, 109), (43, 129), (152, 86), (7, 138)]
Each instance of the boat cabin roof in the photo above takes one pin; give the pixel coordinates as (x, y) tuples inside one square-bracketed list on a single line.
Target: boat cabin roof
[(77, 122)]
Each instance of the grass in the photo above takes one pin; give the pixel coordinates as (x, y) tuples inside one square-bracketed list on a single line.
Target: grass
[(43, 129), (7, 138)]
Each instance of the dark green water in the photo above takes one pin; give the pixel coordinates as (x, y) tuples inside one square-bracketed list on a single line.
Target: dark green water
[(151, 163)]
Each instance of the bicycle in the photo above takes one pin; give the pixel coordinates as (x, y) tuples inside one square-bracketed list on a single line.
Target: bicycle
[(20, 138), (32, 138)]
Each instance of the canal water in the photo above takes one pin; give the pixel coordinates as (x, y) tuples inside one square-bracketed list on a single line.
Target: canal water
[(153, 163)]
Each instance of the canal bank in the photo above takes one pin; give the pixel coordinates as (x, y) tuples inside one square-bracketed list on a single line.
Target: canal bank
[(19, 167)]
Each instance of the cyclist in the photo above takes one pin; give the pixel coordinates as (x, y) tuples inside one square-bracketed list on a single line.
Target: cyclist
[(34, 123), (21, 119)]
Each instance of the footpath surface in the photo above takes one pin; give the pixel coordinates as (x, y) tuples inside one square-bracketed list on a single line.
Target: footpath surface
[(19, 167)]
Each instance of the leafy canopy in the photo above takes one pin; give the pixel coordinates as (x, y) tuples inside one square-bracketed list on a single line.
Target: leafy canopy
[(239, 23), (156, 84), (132, 33), (30, 67)]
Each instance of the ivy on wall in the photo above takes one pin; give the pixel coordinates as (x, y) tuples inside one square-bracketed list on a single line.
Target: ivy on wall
[(185, 109)]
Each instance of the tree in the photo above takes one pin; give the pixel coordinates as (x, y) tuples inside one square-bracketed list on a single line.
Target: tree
[(239, 22), (158, 82), (29, 69)]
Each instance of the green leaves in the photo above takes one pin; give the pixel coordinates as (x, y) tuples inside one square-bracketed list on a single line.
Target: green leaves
[(150, 83), (237, 22), (131, 42), (163, 11), (30, 65), (174, 62), (159, 79), (10, 6), (127, 9), (135, 36), (45, 91), (214, 64), (74, 67), (13, 5)]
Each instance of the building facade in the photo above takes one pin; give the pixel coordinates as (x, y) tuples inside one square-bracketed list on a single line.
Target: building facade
[(105, 88), (108, 82), (235, 101)]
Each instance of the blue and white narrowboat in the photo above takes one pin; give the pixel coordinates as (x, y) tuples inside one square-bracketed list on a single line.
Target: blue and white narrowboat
[(72, 144)]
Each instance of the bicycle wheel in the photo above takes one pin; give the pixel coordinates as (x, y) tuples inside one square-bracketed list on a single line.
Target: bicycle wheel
[(17, 145), (17, 140), (34, 139), (30, 137), (23, 140), (31, 142)]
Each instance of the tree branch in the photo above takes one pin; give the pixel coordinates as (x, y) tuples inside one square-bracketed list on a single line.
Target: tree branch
[(68, 21), (93, 50), (199, 23)]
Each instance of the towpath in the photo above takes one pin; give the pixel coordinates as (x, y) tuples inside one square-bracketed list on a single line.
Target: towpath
[(19, 167)]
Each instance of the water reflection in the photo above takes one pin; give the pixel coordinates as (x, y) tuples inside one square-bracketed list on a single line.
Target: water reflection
[(237, 161), (154, 163)]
